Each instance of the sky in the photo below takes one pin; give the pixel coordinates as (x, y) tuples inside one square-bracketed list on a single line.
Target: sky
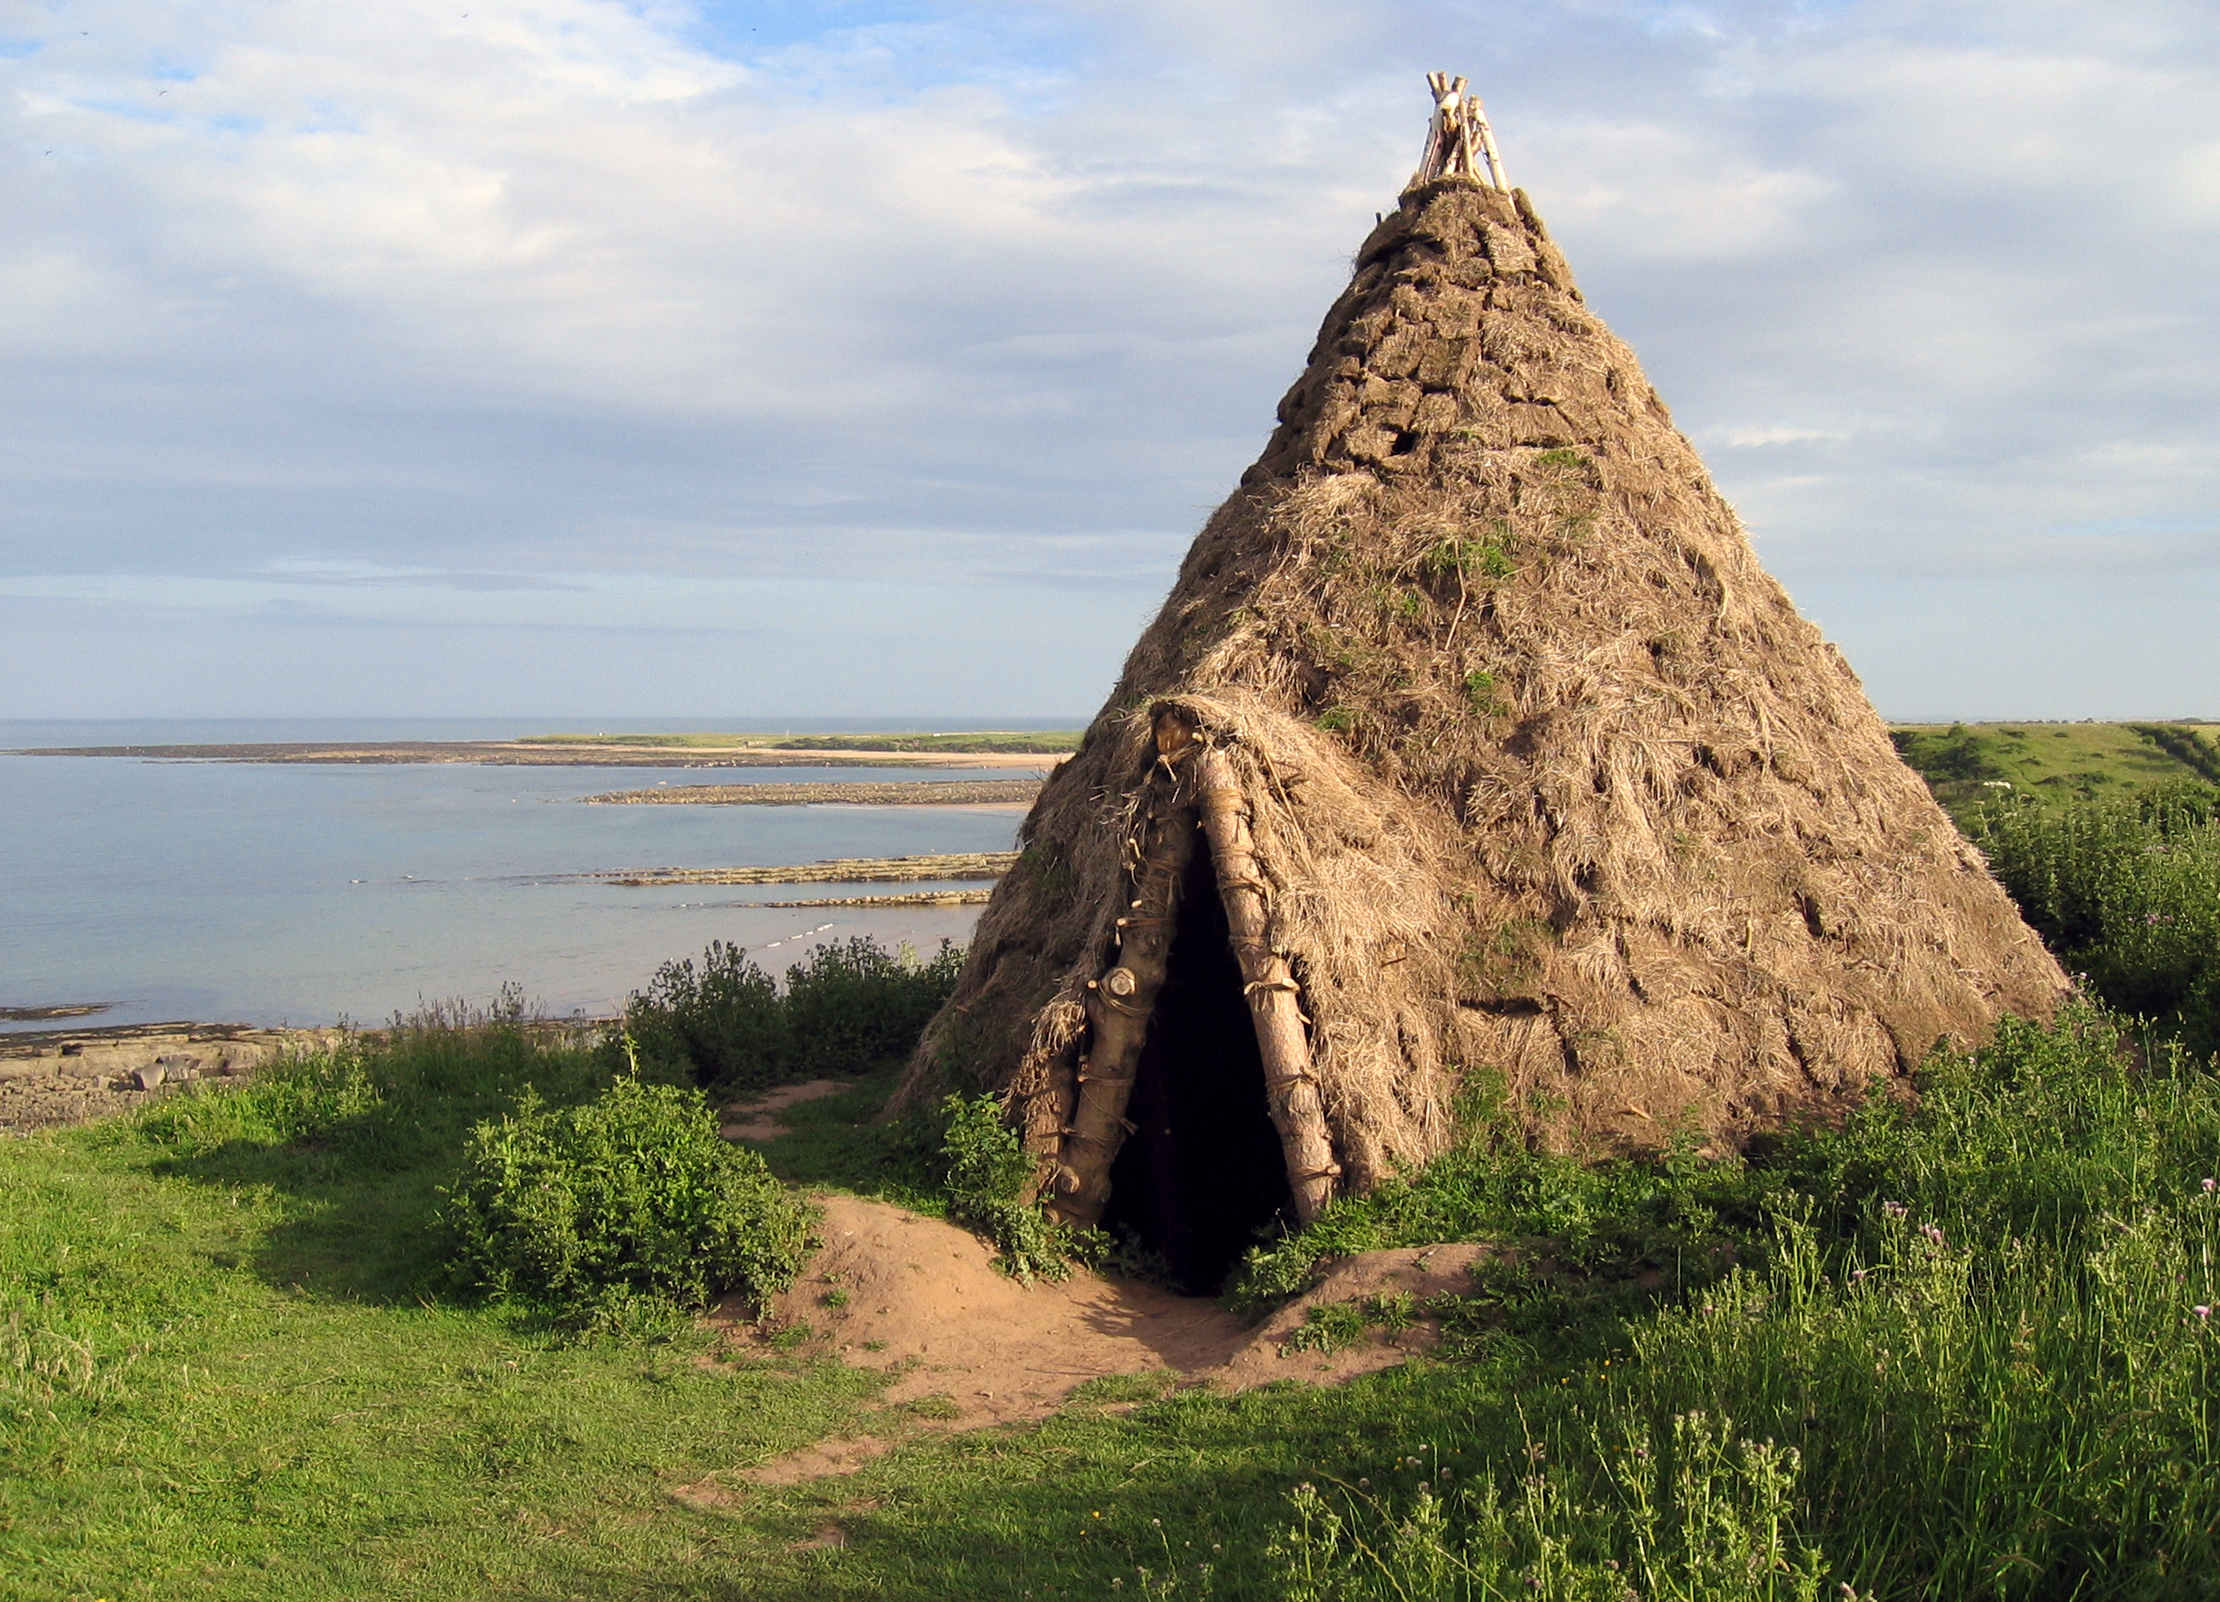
[(808, 358)]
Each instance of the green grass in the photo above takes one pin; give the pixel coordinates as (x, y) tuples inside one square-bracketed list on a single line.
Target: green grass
[(230, 1366), (232, 1369), (1019, 742), (2056, 763), (1962, 1348)]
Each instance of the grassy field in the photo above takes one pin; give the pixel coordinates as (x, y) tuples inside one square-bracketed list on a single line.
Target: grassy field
[(1958, 1350), (1957, 1353), (1021, 742), (2056, 763)]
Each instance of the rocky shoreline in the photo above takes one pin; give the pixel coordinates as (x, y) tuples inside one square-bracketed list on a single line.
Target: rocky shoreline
[(840, 870), (896, 793), (50, 1078)]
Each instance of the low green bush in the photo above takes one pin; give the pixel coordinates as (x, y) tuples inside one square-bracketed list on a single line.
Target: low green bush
[(609, 1212), (725, 1024), (852, 1005), (986, 1174)]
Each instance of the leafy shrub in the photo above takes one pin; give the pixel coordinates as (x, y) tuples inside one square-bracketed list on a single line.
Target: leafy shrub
[(854, 1005), (725, 1024), (2126, 892), (722, 1023), (986, 1174), (619, 1205)]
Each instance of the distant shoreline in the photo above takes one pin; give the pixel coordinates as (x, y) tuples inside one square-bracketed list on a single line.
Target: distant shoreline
[(538, 752)]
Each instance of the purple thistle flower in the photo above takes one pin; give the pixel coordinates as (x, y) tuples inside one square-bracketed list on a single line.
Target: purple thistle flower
[(2211, 1185), (2204, 1313)]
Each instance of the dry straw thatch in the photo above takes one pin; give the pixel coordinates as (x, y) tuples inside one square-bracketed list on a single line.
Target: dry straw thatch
[(1543, 775)]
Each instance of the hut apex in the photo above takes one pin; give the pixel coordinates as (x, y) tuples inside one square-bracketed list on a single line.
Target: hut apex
[(1471, 746), (1459, 143)]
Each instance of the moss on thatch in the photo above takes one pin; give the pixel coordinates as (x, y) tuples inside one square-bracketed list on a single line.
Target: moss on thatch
[(1545, 773)]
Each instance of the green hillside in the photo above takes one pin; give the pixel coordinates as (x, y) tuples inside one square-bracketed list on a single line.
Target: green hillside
[(2055, 762)]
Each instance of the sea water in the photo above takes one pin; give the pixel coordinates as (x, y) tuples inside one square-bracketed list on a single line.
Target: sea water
[(295, 893)]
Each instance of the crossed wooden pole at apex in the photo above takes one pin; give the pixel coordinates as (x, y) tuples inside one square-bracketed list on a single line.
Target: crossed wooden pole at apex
[(1459, 143)]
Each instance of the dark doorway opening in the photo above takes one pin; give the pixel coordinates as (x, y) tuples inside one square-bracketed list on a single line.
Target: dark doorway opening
[(1202, 1171)]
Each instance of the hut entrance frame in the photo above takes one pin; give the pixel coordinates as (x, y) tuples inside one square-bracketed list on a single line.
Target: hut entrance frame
[(1189, 810)]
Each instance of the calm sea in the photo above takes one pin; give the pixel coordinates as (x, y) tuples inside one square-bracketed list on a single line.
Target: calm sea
[(271, 893)]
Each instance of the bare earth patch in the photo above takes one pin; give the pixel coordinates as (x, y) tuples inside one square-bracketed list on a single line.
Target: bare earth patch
[(972, 1347)]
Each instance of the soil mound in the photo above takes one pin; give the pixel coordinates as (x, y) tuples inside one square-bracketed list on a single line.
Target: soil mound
[(895, 1291)]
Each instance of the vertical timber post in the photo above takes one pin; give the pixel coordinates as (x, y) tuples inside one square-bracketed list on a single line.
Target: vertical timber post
[(1291, 1089), (1120, 1000)]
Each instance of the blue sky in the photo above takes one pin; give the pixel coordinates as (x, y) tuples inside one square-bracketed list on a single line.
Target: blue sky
[(450, 357)]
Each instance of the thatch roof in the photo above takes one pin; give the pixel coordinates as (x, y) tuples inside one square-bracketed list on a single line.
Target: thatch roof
[(1544, 772)]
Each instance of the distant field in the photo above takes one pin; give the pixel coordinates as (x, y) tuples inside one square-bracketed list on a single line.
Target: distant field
[(2055, 762), (1024, 742)]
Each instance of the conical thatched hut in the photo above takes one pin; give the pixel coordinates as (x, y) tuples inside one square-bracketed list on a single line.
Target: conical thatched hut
[(1472, 736)]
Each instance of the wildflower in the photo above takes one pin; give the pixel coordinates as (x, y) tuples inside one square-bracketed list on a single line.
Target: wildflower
[(1857, 1274), (1423, 1487), (2204, 1313), (2211, 1185), (1934, 1235), (1363, 1484), (1894, 1209)]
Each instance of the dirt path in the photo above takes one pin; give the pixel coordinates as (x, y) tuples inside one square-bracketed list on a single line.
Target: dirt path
[(758, 1119)]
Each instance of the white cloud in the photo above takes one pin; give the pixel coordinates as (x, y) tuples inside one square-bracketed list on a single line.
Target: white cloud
[(391, 303)]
